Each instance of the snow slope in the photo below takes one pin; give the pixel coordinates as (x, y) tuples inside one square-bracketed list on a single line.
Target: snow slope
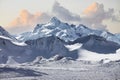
[(92, 56), (57, 70)]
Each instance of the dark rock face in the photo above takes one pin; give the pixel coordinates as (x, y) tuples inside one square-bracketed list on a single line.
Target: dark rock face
[(100, 45), (3, 32), (49, 47), (97, 44)]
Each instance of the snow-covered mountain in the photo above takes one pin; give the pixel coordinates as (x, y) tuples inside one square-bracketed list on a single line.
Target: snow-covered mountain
[(66, 32), (56, 38)]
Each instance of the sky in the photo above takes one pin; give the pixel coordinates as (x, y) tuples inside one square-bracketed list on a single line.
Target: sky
[(19, 16)]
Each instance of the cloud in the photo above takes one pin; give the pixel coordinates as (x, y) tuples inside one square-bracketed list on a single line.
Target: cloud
[(91, 9), (26, 21), (64, 13), (25, 18), (94, 15)]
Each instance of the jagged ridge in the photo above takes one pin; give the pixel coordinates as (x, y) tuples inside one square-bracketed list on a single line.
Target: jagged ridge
[(66, 32)]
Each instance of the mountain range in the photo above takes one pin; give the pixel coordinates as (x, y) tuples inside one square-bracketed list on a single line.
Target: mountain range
[(56, 38)]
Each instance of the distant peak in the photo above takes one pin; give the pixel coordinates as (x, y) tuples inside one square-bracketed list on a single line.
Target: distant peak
[(3, 32), (82, 26), (55, 20), (2, 29)]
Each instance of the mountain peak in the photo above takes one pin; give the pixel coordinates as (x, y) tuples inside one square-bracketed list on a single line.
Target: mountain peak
[(3, 32), (1, 29), (55, 20)]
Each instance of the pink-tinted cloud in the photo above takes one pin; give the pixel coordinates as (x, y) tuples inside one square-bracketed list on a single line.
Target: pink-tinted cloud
[(95, 14), (27, 20), (91, 9)]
